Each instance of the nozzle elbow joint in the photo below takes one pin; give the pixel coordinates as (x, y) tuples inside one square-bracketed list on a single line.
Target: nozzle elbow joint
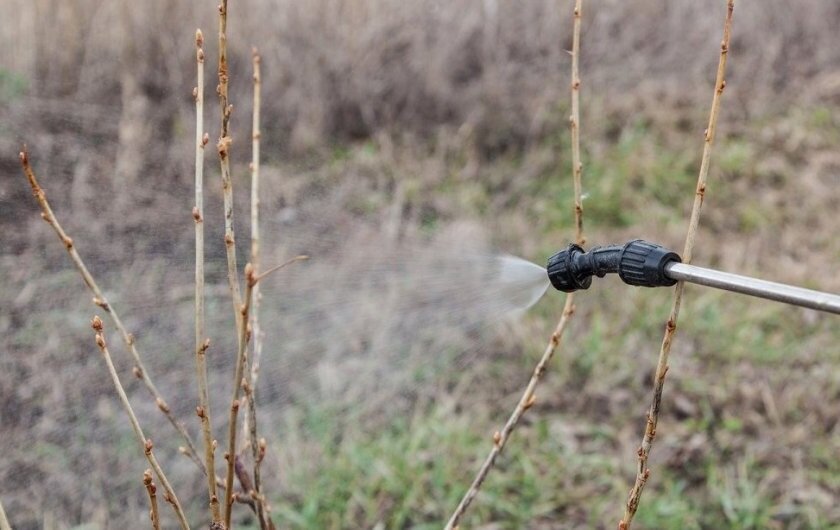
[(637, 262)]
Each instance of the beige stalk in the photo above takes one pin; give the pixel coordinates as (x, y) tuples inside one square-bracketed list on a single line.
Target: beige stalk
[(528, 398), (145, 443), (642, 470)]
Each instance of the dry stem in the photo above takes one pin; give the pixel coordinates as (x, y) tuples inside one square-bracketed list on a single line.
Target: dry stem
[(244, 332), (259, 503), (4, 522), (145, 443), (643, 472), (255, 251), (201, 340), (260, 277), (151, 490), (528, 398), (99, 299), (223, 147), (250, 420), (525, 402), (574, 124)]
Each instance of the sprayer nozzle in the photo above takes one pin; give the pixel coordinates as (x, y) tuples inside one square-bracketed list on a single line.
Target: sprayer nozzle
[(637, 263), (562, 271)]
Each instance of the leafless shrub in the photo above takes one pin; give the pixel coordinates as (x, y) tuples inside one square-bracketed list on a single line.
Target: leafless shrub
[(252, 494)]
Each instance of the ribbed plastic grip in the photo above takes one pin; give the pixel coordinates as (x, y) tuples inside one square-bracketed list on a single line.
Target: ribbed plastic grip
[(643, 264)]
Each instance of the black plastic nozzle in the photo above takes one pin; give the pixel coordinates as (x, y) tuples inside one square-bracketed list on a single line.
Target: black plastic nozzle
[(637, 263)]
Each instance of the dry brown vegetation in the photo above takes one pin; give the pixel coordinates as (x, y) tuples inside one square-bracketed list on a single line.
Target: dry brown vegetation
[(415, 117)]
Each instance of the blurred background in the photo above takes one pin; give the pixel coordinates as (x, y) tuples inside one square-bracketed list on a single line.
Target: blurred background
[(400, 139)]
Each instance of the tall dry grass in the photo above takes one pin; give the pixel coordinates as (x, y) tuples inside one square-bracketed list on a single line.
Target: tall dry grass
[(346, 69)]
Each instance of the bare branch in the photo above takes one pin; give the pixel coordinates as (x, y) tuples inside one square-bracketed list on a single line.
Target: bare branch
[(202, 343), (244, 335), (528, 398), (283, 265), (151, 490), (642, 471), (223, 147), (99, 299), (259, 504), (248, 407), (574, 124), (145, 443)]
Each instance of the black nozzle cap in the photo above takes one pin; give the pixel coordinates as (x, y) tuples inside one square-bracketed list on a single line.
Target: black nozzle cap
[(561, 270), (643, 264)]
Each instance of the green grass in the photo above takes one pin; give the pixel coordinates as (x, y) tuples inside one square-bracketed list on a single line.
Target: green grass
[(571, 463), (746, 439), (12, 86)]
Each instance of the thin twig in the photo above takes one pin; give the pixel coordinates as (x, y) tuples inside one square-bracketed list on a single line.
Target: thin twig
[(223, 147), (244, 334), (259, 504), (642, 471), (283, 265), (4, 521), (255, 250), (151, 490), (145, 443), (574, 125), (249, 423), (528, 398), (99, 299), (202, 343), (258, 448)]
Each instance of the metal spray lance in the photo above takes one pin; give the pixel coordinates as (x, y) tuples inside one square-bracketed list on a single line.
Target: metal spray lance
[(645, 264)]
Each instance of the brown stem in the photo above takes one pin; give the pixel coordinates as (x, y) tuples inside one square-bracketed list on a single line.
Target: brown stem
[(248, 408), (642, 471), (574, 124), (223, 147), (151, 490), (259, 505), (202, 343), (145, 443), (528, 398), (244, 333), (283, 265), (99, 299)]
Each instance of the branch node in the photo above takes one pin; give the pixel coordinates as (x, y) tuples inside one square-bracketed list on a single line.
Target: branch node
[(161, 404)]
